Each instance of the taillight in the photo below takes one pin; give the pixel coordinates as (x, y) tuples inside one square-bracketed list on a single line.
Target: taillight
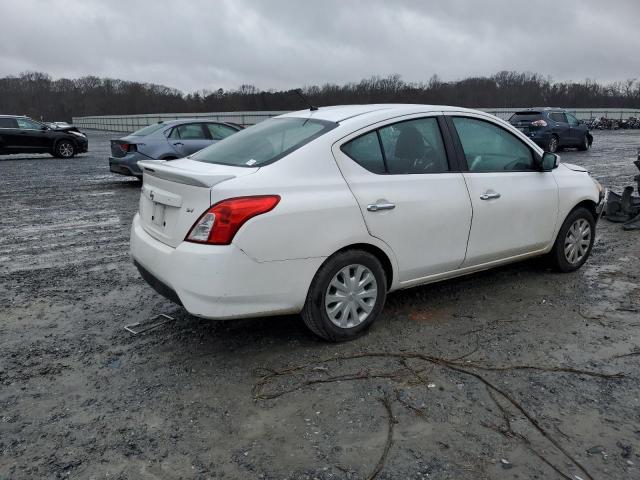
[(128, 147), (219, 224), (538, 123)]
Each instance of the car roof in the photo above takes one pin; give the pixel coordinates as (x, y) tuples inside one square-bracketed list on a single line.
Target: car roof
[(341, 113), (542, 109), (181, 121)]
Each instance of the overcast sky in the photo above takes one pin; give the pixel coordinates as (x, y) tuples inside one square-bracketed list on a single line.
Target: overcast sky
[(208, 44)]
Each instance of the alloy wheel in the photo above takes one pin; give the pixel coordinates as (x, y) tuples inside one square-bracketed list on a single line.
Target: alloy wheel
[(351, 296), (65, 149), (577, 241), (553, 144)]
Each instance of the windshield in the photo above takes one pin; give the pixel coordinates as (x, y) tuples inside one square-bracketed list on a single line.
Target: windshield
[(525, 117), (148, 130), (265, 142)]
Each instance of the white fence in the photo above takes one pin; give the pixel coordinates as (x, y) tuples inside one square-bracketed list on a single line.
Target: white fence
[(130, 123)]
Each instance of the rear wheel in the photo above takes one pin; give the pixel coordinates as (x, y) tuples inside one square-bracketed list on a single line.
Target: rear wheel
[(553, 144), (346, 296), (64, 149), (575, 240)]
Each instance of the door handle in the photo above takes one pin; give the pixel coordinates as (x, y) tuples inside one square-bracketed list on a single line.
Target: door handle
[(178, 143), (489, 195), (376, 207)]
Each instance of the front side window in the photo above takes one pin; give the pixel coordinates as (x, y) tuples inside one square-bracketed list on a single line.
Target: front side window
[(573, 121), (489, 148), (219, 131), (26, 124), (264, 143), (558, 117)]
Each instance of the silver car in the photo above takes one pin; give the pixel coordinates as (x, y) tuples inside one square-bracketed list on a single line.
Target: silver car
[(165, 141)]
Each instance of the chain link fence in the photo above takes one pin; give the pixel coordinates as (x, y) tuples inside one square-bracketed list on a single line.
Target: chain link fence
[(130, 123)]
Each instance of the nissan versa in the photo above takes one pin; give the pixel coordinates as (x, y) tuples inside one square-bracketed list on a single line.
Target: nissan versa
[(325, 211)]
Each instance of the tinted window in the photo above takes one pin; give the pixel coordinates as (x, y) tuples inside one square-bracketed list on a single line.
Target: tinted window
[(572, 120), (414, 146), (558, 117), (365, 151), (26, 124), (148, 130), (265, 142), (8, 123), (190, 131), (525, 117), (489, 148), (219, 131)]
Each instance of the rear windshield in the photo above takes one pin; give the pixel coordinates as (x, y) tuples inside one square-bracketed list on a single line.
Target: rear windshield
[(148, 130), (525, 117), (265, 142)]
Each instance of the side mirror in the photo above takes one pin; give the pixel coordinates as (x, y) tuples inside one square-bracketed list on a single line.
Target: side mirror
[(549, 161)]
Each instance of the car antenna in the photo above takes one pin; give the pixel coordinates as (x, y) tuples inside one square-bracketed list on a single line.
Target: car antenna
[(313, 108)]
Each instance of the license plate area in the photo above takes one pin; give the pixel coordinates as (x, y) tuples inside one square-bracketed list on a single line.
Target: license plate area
[(158, 214)]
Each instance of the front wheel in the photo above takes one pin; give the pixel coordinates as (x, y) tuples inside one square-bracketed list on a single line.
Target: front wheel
[(574, 242), (346, 296), (585, 144), (553, 144), (65, 149)]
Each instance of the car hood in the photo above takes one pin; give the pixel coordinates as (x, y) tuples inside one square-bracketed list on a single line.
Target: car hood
[(573, 167), (65, 129)]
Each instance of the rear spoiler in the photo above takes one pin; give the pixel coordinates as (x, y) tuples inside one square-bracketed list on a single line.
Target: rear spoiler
[(164, 170)]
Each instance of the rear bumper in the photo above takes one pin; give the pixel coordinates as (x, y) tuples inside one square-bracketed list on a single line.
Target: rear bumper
[(127, 165), (220, 281)]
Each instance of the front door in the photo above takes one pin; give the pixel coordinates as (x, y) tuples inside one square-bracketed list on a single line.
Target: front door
[(515, 207), (409, 195), (32, 135)]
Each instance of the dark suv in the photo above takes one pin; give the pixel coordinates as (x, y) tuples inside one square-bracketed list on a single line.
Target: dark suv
[(20, 134), (552, 128)]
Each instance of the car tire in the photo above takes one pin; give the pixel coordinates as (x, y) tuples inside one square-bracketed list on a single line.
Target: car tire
[(553, 144), (574, 242), (64, 149), (342, 276), (585, 144)]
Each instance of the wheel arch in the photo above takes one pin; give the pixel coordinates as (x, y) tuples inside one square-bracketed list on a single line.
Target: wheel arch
[(589, 205), (377, 252)]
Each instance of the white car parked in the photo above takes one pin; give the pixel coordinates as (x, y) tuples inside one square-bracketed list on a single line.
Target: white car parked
[(324, 211)]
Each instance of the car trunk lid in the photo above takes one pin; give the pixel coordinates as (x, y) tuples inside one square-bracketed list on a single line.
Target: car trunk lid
[(122, 146), (175, 194), (523, 120)]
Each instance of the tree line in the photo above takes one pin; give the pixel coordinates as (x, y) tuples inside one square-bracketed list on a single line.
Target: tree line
[(39, 96)]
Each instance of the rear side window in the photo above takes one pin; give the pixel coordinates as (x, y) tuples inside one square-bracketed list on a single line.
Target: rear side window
[(414, 146), (489, 148), (366, 152), (8, 123), (219, 131), (558, 117), (189, 131), (523, 117)]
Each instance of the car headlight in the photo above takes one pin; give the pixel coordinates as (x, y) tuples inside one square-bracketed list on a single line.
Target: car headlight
[(78, 134), (599, 187)]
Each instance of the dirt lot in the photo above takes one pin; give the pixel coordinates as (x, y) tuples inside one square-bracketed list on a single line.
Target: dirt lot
[(82, 398)]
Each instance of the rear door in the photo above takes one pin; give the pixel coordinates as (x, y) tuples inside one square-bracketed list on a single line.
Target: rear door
[(561, 128), (515, 207), (189, 138), (410, 192), (9, 134)]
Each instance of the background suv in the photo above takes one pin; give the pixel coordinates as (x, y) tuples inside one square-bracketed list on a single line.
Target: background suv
[(165, 141), (552, 128), (19, 134)]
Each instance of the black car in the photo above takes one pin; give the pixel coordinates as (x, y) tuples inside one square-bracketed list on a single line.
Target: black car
[(19, 134), (552, 128)]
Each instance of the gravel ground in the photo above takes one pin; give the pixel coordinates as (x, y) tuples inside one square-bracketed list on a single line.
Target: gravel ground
[(82, 398)]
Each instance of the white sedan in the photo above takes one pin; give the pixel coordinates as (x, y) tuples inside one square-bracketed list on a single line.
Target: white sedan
[(324, 211)]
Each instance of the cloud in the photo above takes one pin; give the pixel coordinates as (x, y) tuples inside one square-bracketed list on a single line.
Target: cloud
[(284, 43)]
